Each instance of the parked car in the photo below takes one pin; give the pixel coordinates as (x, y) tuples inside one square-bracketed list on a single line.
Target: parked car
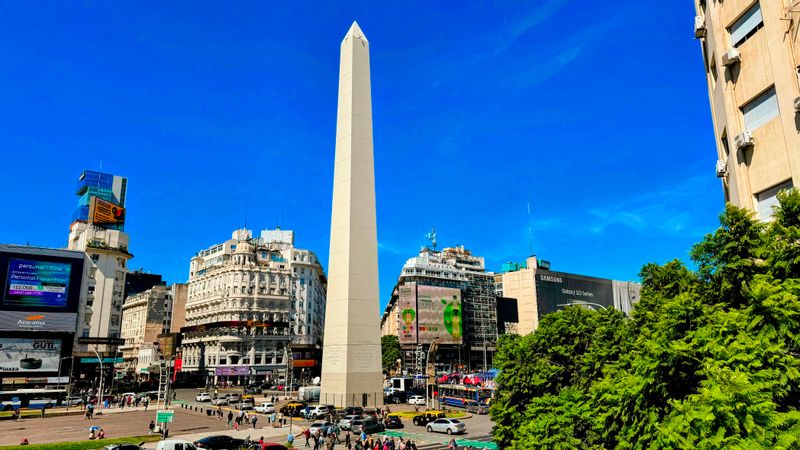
[(449, 426), (323, 427), (253, 389), (477, 408), (123, 447), (219, 442), (393, 421), (416, 400), (220, 401), (203, 397), (317, 412), (247, 402), (175, 444), (396, 397), (354, 410), (427, 417), (265, 408), (233, 398), (370, 426), (346, 421)]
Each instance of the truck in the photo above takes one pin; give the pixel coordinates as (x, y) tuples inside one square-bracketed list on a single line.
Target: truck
[(309, 393)]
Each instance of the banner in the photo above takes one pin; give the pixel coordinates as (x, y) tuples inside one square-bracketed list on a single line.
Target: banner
[(407, 303), (29, 355), (102, 212), (439, 314), (232, 371), (33, 284), (38, 321)]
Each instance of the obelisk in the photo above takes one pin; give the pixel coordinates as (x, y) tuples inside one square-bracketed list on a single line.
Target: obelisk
[(351, 353)]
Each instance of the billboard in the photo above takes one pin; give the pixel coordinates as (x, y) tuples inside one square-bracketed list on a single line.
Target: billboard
[(102, 212), (557, 290), (407, 303), (35, 284), (29, 355), (38, 321), (439, 314), (232, 371)]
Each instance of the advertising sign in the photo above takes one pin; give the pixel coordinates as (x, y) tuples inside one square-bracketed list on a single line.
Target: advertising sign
[(29, 355), (439, 314), (232, 371), (102, 212), (37, 321), (407, 303), (34, 284), (557, 290)]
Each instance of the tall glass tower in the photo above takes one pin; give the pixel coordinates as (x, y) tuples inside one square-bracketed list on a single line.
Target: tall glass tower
[(111, 188)]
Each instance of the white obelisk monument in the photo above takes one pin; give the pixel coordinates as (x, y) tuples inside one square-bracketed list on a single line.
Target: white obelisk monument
[(351, 354)]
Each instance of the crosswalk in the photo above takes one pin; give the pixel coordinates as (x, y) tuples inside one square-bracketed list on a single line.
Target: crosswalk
[(474, 442)]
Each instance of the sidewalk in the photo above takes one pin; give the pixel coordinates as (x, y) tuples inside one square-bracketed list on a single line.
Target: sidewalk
[(269, 433)]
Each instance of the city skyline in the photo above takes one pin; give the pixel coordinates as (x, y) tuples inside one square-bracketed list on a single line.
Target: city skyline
[(482, 121)]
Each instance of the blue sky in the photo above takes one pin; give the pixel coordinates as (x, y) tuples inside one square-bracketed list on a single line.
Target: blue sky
[(594, 113)]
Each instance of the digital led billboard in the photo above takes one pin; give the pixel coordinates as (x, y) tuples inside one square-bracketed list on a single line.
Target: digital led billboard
[(36, 284), (102, 212), (407, 328), (557, 290), (29, 355), (439, 315)]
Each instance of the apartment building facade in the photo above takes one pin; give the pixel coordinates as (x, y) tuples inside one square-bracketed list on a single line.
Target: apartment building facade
[(751, 52)]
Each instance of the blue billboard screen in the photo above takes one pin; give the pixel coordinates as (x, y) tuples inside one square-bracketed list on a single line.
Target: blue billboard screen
[(36, 284)]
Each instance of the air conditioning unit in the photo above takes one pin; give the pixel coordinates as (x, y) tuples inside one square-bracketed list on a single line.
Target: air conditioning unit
[(797, 105), (731, 57), (743, 140), (722, 168), (699, 27)]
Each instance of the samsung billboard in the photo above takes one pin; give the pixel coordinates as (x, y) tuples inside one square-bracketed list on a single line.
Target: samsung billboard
[(39, 279), (557, 290)]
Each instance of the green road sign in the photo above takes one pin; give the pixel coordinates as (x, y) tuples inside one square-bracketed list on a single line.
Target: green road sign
[(164, 416)]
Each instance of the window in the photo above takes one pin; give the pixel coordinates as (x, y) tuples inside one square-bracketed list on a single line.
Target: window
[(768, 199), (760, 110), (745, 26)]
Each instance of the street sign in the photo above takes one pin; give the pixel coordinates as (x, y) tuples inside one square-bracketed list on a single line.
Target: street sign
[(94, 360), (164, 416)]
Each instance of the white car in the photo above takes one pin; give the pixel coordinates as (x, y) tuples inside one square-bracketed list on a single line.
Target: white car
[(234, 398), (323, 427), (449, 426), (416, 400), (316, 412), (222, 401), (265, 408), (175, 444), (346, 422), (203, 397)]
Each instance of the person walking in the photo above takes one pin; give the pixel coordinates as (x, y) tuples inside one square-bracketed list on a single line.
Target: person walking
[(452, 445), (347, 441), (230, 419), (254, 420), (290, 440), (151, 427), (146, 403)]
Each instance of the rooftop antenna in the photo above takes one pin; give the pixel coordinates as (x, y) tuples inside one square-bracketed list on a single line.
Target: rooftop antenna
[(431, 236), (530, 231)]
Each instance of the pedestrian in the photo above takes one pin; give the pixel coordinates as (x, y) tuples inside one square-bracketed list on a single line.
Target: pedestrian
[(150, 427), (290, 440), (255, 419), (307, 435), (452, 445), (230, 419), (43, 410), (347, 441), (146, 403), (274, 418)]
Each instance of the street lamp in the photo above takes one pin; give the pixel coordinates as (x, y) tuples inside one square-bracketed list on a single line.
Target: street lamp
[(100, 387)]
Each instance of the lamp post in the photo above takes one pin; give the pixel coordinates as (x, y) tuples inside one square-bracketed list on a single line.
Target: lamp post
[(100, 387)]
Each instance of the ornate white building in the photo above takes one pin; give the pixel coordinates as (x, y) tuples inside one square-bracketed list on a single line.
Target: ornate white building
[(254, 304)]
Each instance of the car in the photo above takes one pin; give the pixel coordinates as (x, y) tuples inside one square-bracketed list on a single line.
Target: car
[(203, 397), (247, 403), (353, 410), (233, 398), (370, 426), (293, 409), (416, 400), (346, 421), (322, 427), (253, 389), (123, 447), (219, 442), (393, 421), (427, 417), (265, 408), (175, 444), (74, 401), (317, 412), (396, 397), (449, 426), (221, 401), (254, 445), (477, 407)]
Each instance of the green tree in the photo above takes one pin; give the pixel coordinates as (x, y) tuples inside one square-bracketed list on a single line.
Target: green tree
[(390, 352), (708, 359)]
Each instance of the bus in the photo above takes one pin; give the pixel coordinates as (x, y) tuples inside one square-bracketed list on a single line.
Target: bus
[(459, 395), (32, 399)]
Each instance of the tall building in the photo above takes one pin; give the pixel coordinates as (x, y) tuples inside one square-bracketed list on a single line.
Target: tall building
[(144, 316), (180, 294), (97, 231), (751, 52), (140, 281), (252, 304), (351, 366), (418, 309), (539, 291)]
